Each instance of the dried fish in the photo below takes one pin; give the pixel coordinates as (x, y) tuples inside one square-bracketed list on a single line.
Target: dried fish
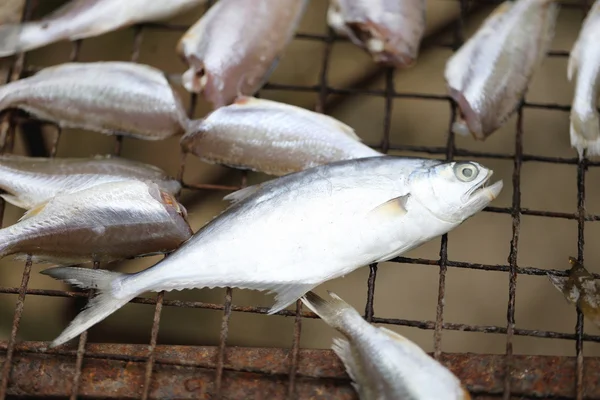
[(236, 45), (584, 62), (107, 97), (297, 231), (581, 289), (106, 222), (80, 19), (390, 30), (382, 363), (488, 76), (272, 137), (33, 180)]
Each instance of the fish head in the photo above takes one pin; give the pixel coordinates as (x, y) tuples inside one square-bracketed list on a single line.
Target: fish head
[(167, 200), (454, 191)]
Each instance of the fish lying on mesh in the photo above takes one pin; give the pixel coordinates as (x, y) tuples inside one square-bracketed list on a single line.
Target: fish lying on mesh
[(382, 363), (236, 45), (80, 19), (390, 30), (106, 222), (272, 137), (581, 289), (489, 75), (297, 231), (109, 97), (584, 66), (29, 181)]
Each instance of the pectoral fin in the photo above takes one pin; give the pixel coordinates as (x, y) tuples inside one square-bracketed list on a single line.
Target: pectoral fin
[(393, 208)]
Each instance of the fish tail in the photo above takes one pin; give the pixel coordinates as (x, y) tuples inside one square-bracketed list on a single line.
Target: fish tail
[(335, 312), (109, 299), (585, 132), (10, 35)]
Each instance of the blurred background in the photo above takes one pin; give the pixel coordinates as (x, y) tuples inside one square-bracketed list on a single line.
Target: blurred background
[(403, 291)]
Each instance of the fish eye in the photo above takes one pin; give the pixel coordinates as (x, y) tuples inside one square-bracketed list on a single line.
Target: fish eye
[(466, 172)]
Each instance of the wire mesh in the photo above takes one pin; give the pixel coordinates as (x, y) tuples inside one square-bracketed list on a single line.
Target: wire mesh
[(450, 151)]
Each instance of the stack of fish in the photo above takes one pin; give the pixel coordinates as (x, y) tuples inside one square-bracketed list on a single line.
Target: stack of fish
[(334, 204)]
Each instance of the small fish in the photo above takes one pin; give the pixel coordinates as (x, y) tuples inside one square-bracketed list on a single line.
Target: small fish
[(488, 76), (584, 64), (107, 222), (581, 289), (383, 364), (235, 46), (80, 19), (33, 180), (107, 97), (272, 137), (297, 231), (390, 30)]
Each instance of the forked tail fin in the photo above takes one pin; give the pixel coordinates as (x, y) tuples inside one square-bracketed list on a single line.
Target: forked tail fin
[(107, 301), (10, 35), (335, 311)]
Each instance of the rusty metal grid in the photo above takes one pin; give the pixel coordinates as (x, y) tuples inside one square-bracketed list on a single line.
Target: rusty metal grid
[(147, 366)]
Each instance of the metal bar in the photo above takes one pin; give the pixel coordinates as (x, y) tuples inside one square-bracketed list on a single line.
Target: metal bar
[(7, 133), (512, 257), (117, 370)]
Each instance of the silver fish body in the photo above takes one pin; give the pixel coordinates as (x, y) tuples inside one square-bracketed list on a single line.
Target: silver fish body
[(294, 232), (390, 30), (383, 364), (29, 181), (103, 223), (80, 19), (272, 137), (489, 75), (108, 97), (584, 64), (235, 46)]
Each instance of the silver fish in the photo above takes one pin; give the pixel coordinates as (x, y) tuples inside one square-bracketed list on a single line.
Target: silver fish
[(584, 63), (488, 76), (272, 137), (107, 97), (390, 30), (297, 231), (33, 180), (106, 222), (236, 45), (383, 364), (80, 19), (581, 289)]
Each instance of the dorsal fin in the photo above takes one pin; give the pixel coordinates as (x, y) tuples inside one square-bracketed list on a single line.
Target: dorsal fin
[(239, 195)]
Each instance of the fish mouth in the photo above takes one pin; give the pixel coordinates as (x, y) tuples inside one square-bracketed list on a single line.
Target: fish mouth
[(491, 192)]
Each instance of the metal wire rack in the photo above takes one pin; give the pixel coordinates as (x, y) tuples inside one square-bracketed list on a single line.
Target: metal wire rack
[(153, 371)]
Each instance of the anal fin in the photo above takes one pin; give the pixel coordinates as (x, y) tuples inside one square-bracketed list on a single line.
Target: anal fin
[(343, 349), (288, 294)]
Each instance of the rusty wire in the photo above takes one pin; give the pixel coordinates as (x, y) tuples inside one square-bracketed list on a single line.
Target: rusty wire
[(154, 355)]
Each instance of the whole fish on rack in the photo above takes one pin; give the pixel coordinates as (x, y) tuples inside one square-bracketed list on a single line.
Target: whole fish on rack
[(382, 363), (297, 231), (489, 75), (80, 19), (390, 30), (29, 181), (107, 222), (581, 289), (272, 137), (236, 45), (584, 66), (109, 97)]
